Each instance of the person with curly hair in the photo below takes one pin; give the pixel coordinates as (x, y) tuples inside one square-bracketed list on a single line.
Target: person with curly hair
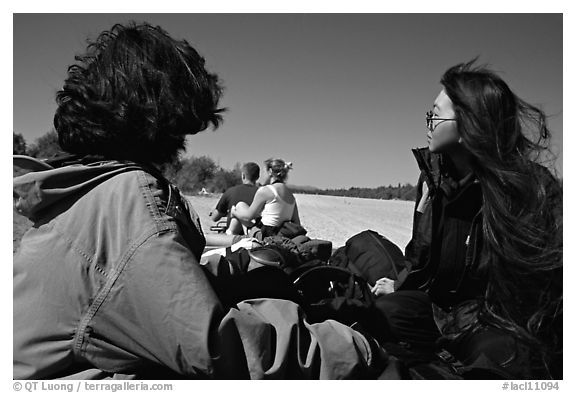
[(486, 250), (107, 282), (135, 95)]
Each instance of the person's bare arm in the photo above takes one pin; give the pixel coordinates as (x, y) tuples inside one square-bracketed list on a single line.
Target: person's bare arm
[(244, 213), (222, 207)]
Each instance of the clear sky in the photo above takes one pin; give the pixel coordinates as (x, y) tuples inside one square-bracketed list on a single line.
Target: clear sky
[(342, 96)]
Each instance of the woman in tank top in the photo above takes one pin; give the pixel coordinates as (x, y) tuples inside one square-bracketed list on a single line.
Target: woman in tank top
[(274, 202)]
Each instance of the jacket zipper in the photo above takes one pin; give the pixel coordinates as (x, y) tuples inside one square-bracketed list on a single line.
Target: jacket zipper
[(469, 258)]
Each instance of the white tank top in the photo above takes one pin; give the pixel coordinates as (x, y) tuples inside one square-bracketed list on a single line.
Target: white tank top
[(277, 210)]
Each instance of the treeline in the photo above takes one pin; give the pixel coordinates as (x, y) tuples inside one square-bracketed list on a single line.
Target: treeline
[(196, 174), (405, 192)]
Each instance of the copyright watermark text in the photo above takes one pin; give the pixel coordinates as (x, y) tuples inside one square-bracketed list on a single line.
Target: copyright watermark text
[(89, 386), (530, 385)]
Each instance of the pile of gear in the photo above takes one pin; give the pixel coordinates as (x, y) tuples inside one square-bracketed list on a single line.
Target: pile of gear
[(332, 284)]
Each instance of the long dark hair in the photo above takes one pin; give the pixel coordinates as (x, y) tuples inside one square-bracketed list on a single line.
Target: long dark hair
[(135, 95), (522, 205)]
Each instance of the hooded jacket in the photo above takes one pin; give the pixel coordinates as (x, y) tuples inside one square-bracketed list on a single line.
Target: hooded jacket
[(107, 284)]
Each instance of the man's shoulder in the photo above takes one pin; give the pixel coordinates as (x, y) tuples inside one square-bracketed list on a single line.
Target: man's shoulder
[(243, 193), (241, 188), (229, 191)]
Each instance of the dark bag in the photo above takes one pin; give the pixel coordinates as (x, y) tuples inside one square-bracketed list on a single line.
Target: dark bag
[(290, 230), (372, 256), (410, 318), (310, 249), (263, 282), (233, 282), (331, 292)]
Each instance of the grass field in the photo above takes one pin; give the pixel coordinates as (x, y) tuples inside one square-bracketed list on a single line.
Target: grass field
[(325, 217)]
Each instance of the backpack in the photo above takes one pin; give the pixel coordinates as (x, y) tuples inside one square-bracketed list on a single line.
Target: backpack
[(371, 256), (331, 292)]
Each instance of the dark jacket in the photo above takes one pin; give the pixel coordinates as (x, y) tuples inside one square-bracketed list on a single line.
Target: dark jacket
[(445, 259), (443, 255)]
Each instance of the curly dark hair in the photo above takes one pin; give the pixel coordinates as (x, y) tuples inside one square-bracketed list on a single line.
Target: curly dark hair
[(522, 205), (135, 95)]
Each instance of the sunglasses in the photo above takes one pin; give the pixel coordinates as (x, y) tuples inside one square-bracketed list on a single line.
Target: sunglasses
[(433, 122)]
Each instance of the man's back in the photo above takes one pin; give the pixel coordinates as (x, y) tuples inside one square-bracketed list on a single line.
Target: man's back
[(240, 193), (98, 249)]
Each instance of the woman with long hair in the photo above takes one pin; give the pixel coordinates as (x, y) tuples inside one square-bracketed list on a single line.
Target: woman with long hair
[(487, 236)]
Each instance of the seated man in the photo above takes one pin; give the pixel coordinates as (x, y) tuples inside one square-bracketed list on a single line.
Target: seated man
[(241, 193)]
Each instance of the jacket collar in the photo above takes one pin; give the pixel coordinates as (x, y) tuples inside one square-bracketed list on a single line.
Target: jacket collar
[(435, 169), (429, 165)]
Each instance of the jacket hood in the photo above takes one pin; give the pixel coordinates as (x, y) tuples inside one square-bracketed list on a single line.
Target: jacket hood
[(35, 191)]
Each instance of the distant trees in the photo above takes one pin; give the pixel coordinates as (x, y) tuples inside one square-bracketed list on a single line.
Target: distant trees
[(403, 192), (197, 173), (46, 146), (224, 179)]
